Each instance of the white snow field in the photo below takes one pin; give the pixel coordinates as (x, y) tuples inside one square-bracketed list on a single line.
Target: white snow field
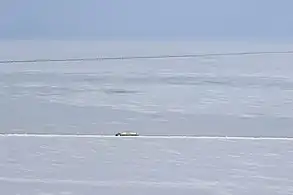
[(247, 96), (90, 165)]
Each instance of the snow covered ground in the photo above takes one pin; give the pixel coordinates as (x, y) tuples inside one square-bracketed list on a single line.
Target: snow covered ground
[(224, 96), (86, 165)]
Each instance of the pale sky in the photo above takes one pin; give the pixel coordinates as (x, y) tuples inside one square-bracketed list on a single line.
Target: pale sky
[(155, 19)]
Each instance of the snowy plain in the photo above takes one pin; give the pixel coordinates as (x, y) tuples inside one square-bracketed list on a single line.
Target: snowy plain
[(227, 96), (39, 165)]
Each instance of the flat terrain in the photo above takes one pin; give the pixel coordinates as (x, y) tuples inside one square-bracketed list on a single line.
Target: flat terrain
[(224, 96), (144, 165)]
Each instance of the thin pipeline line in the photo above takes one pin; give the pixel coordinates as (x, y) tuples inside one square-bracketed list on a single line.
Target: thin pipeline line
[(145, 57)]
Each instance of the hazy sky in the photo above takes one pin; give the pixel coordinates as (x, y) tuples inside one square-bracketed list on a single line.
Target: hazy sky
[(160, 19)]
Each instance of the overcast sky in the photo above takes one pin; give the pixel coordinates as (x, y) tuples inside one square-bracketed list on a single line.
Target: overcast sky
[(159, 19)]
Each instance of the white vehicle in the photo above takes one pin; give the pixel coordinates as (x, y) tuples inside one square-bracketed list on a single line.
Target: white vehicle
[(126, 134)]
